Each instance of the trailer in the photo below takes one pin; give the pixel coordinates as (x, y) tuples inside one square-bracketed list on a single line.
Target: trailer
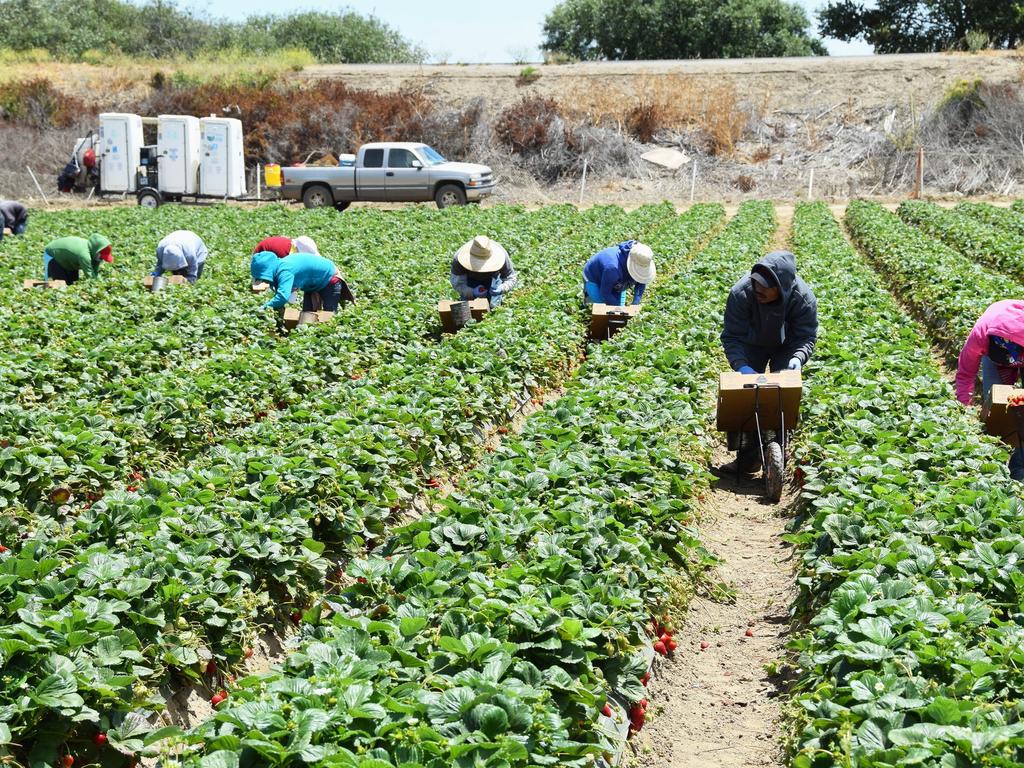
[(193, 159)]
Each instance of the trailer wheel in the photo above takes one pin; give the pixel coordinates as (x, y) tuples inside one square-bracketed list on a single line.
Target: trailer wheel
[(774, 471), (450, 194), (317, 196), (149, 198), (342, 205)]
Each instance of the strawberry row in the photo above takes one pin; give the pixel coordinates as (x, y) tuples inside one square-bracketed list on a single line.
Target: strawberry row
[(189, 566), (910, 532), (492, 631)]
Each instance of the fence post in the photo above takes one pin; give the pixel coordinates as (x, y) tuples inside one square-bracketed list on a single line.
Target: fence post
[(583, 182), (810, 186), (693, 180), (259, 183), (919, 175), (36, 181)]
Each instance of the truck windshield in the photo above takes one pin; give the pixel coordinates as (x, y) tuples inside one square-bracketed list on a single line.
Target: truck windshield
[(431, 156)]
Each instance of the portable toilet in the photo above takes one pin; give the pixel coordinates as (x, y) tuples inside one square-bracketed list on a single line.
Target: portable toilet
[(222, 165), (120, 143), (177, 141)]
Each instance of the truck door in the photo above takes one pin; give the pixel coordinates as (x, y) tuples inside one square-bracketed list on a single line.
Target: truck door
[(405, 182), (370, 176)]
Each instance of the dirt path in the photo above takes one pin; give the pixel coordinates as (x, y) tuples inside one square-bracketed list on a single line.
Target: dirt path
[(720, 707)]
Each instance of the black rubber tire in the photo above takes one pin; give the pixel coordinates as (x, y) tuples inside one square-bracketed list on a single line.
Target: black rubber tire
[(149, 198), (317, 196), (774, 471), (449, 194), (341, 205)]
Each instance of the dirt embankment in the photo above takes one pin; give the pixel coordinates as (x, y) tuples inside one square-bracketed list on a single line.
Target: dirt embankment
[(794, 84)]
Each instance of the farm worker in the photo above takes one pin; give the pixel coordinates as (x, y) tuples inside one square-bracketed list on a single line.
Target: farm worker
[(181, 253), (607, 275), (279, 246), (314, 275), (996, 346), (771, 319), (65, 257), (15, 218), (482, 269)]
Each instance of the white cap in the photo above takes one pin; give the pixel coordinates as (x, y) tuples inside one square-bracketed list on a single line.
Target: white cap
[(640, 263)]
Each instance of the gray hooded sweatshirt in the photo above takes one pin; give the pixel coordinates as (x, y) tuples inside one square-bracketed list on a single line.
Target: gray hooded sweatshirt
[(786, 328)]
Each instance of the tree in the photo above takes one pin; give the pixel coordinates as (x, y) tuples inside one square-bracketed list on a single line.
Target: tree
[(906, 26), (678, 29)]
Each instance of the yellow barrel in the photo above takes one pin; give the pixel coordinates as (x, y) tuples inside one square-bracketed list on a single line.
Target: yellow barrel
[(272, 174)]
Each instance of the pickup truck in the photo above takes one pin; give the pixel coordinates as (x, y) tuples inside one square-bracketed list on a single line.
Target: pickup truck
[(392, 172)]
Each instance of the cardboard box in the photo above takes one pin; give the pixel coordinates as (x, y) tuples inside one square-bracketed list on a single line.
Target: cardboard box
[(737, 393), (323, 316), (999, 417), (147, 281), (477, 309), (290, 316), (260, 287), (44, 284), (606, 320)]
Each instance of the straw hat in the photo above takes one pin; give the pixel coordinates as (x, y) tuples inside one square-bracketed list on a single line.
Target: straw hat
[(640, 263), (481, 254)]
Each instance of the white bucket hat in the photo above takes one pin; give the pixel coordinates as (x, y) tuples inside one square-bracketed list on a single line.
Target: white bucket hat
[(305, 244), (481, 254), (640, 263)]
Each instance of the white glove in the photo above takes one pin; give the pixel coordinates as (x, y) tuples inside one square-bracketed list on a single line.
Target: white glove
[(794, 364)]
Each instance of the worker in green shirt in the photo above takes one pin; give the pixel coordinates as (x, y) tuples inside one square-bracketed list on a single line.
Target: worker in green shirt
[(65, 257)]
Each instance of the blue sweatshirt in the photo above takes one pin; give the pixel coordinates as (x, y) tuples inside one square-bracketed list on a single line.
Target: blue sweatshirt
[(300, 271), (181, 249), (608, 270)]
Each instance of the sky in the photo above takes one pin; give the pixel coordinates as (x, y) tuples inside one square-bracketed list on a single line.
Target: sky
[(469, 31)]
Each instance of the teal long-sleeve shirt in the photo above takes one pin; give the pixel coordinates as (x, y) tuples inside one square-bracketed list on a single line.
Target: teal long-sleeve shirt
[(300, 271)]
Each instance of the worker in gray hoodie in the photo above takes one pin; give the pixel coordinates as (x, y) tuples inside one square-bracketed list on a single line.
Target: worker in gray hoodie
[(771, 320), (14, 217), (181, 253)]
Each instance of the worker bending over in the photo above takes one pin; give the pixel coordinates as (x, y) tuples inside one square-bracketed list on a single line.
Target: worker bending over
[(66, 257), (771, 320), (14, 217), (310, 273), (608, 274), (284, 246), (181, 253), (482, 269)]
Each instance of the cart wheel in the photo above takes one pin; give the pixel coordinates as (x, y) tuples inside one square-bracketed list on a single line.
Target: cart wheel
[(149, 198), (774, 470)]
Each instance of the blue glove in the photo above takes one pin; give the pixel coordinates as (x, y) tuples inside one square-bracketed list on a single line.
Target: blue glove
[(794, 364), (747, 369), (480, 291)]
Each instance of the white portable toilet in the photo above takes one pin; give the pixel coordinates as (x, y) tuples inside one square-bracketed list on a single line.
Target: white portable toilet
[(222, 165), (120, 143), (178, 146)]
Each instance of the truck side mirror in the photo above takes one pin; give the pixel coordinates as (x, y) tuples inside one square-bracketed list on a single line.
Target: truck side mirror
[(417, 165)]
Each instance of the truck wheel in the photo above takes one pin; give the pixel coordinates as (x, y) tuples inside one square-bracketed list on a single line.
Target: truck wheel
[(148, 198), (341, 205), (450, 194), (317, 196)]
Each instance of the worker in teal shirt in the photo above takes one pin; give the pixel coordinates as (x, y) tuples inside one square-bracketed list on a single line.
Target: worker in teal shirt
[(608, 274), (310, 273)]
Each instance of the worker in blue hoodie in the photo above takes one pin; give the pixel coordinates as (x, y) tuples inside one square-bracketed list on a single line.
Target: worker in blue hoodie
[(771, 320), (315, 276), (181, 253), (607, 275)]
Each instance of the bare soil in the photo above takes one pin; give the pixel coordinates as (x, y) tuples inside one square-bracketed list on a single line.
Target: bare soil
[(721, 707)]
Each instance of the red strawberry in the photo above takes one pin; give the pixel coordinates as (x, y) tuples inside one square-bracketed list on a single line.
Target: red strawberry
[(646, 678), (355, 377), (637, 717), (666, 637), (67, 761), (100, 739), (361, 579), (296, 617), (247, 653), (704, 645), (660, 648), (211, 668), (2, 549), (433, 483), (671, 645), (131, 488), (502, 430), (643, 704), (216, 699), (607, 710), (222, 693), (749, 632)]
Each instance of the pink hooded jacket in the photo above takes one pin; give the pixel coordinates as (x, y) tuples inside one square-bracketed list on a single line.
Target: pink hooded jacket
[(1004, 318)]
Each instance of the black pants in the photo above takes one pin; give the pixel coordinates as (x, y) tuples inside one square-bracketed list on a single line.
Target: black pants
[(183, 272), (329, 298), (56, 272)]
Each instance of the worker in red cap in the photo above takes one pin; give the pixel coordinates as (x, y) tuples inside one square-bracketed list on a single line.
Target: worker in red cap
[(66, 257)]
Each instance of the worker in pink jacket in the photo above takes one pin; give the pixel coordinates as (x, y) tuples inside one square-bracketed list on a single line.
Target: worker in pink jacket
[(996, 346)]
